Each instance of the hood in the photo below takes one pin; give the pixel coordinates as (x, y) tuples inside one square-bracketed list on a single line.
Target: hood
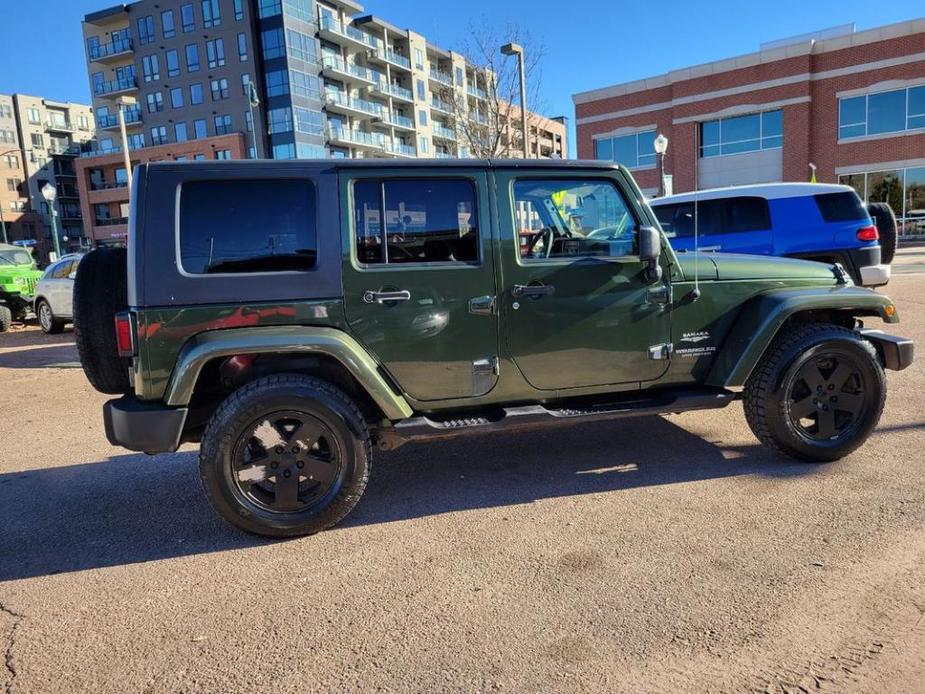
[(736, 266)]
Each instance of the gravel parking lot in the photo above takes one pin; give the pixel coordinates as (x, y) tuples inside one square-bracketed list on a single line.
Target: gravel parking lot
[(658, 554)]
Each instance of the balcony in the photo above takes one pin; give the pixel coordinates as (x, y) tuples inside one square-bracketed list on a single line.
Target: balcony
[(116, 87), (478, 118), (444, 78), (398, 121), (59, 125), (389, 56), (338, 32), (336, 101), (110, 51), (338, 68), (111, 121), (346, 136), (443, 132), (476, 92), (442, 106), (108, 185), (444, 155), (71, 150), (401, 150), (110, 221), (393, 90)]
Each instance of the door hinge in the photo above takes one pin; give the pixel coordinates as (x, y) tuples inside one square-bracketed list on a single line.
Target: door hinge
[(661, 352)]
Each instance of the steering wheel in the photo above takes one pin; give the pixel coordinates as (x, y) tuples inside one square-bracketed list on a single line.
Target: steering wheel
[(609, 233)]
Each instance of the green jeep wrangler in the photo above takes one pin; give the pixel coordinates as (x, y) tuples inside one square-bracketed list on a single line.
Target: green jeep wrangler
[(18, 276), (292, 315)]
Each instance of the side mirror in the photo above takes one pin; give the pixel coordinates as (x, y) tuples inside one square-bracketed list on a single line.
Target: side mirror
[(650, 248)]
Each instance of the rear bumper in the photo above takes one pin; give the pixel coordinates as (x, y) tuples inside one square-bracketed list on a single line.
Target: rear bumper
[(875, 275), (142, 426), (896, 352), (866, 267)]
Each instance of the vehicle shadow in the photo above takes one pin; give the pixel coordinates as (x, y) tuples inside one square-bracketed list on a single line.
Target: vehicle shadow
[(60, 355), (135, 508)]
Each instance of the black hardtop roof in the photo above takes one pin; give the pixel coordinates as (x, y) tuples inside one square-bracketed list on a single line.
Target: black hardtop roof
[(347, 164)]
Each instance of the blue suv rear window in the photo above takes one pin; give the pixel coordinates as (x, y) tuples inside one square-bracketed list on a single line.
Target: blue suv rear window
[(841, 207)]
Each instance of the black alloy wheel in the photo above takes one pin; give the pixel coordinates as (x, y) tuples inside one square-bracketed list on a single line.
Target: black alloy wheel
[(827, 396)]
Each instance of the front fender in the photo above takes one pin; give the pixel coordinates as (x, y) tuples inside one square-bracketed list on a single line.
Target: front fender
[(763, 315), (202, 348)]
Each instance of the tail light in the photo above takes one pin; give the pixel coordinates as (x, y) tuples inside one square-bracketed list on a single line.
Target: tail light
[(125, 334), (868, 233)]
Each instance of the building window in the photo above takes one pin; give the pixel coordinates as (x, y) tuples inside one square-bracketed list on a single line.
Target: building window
[(145, 29), (238, 10), (277, 83), (176, 97), (179, 131), (279, 120), (632, 151), (11, 161), (192, 57), (155, 102), (199, 129), (242, 47), (223, 154), (305, 85), (902, 189), (33, 115), (247, 226), (223, 124), (284, 151), (422, 117), (301, 46), (740, 134), (215, 51), (150, 68), (273, 44), (6, 111), (308, 121), (167, 26), (38, 141), (269, 8), (418, 58), (195, 94), (422, 90), (249, 121), (211, 14), (188, 18), (173, 63), (219, 89), (159, 135), (425, 145), (307, 151), (199, 157), (884, 112), (7, 136), (459, 77)]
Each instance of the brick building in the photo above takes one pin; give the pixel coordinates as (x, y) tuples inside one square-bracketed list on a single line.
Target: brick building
[(103, 181), (851, 103)]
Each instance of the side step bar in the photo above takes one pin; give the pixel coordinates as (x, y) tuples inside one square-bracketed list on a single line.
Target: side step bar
[(539, 416)]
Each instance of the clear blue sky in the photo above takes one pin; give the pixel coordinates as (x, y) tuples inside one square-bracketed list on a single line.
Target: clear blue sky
[(589, 44)]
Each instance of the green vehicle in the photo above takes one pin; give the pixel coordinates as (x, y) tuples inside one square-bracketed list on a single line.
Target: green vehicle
[(292, 316), (18, 275)]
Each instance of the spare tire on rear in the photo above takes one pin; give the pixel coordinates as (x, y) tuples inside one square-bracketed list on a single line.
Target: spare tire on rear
[(100, 292), (883, 217)]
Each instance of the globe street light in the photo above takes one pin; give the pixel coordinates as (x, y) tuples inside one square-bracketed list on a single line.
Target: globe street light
[(50, 193), (661, 146), (517, 49)]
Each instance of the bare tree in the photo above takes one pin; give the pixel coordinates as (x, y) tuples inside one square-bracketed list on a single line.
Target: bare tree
[(490, 127)]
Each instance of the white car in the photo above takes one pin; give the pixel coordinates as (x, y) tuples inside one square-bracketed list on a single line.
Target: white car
[(54, 294)]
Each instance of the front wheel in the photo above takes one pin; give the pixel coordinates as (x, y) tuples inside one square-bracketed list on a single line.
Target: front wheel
[(817, 393), (285, 455)]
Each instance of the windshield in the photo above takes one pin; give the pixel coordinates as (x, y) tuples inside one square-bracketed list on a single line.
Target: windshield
[(15, 258)]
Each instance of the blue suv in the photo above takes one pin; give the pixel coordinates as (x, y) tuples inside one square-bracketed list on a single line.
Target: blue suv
[(814, 221)]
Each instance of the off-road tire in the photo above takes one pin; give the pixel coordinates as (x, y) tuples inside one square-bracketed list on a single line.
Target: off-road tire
[(6, 319), (100, 292), (887, 228), (263, 397), (51, 327), (767, 409)]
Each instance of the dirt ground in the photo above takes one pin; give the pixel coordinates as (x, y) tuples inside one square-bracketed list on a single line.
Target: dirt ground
[(651, 555)]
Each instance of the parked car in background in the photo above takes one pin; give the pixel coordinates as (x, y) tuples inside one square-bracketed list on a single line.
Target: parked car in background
[(812, 221), (18, 276), (54, 294)]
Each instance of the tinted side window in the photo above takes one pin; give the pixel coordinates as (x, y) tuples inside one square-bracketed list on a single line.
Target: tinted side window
[(747, 214), (841, 207), (426, 221), (677, 221), (255, 225)]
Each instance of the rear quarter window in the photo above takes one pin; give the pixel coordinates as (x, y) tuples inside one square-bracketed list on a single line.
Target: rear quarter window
[(247, 226), (840, 207)]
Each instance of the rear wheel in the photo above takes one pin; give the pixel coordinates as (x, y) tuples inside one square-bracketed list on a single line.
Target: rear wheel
[(47, 320), (817, 394), (6, 319), (887, 229), (285, 455)]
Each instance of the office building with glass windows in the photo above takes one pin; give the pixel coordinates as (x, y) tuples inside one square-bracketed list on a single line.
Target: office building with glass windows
[(849, 103)]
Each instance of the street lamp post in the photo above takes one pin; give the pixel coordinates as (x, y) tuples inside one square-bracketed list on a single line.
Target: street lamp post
[(661, 146), (517, 49), (50, 193)]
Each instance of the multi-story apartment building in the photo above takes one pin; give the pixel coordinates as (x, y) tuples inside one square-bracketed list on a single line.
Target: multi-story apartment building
[(40, 139), (849, 103), (330, 80)]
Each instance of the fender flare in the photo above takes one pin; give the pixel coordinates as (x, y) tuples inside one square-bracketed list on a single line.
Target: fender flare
[(304, 340), (762, 317)]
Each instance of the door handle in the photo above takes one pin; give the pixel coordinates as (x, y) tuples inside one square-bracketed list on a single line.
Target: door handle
[(371, 297), (520, 290)]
